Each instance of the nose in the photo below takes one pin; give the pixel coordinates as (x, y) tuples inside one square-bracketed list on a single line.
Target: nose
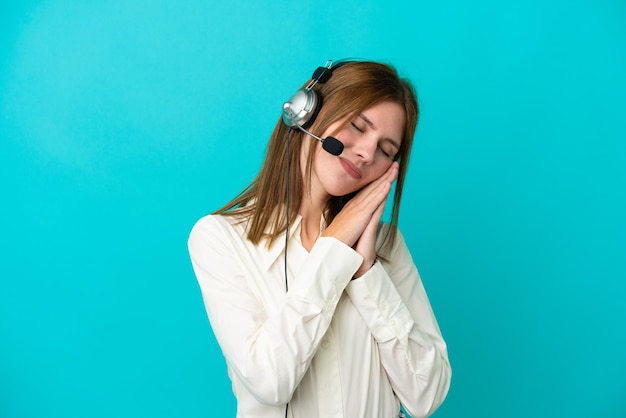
[(365, 149)]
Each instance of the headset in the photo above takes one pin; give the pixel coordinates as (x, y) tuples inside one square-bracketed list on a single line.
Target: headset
[(300, 110)]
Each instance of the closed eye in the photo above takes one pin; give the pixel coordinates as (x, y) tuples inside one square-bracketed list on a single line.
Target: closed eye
[(355, 126), (388, 148), (385, 153)]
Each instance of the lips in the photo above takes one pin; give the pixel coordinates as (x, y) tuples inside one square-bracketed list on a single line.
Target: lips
[(350, 168)]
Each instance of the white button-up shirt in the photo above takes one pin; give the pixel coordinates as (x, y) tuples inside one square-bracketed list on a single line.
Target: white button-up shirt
[(329, 346)]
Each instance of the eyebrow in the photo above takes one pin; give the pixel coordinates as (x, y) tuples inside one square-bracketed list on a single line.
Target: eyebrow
[(369, 122)]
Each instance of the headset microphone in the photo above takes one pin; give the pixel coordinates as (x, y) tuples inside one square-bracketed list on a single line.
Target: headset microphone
[(331, 144), (302, 108)]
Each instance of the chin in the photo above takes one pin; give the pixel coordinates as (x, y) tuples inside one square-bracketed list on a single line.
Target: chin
[(340, 190)]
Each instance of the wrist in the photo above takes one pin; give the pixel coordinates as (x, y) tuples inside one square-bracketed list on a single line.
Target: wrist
[(360, 272)]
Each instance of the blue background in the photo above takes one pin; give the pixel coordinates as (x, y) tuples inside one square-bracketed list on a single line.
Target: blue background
[(123, 122)]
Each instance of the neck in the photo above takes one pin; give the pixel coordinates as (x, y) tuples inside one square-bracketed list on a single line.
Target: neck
[(311, 211)]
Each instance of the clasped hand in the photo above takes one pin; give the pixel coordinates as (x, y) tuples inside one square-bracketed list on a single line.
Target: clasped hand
[(356, 224)]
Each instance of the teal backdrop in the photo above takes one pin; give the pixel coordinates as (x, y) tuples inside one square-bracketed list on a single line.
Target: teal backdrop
[(122, 122)]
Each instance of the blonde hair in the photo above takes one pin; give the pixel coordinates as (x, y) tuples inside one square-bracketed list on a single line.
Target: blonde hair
[(352, 88)]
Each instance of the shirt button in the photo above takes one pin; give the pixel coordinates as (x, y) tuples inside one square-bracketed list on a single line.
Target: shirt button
[(325, 344), (382, 306)]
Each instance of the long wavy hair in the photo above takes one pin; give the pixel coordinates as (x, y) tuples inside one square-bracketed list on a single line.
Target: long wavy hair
[(352, 88)]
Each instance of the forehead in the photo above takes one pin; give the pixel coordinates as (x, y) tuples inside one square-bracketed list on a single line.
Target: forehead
[(388, 118)]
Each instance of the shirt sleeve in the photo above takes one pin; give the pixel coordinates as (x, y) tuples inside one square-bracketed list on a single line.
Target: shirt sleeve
[(391, 299), (269, 353)]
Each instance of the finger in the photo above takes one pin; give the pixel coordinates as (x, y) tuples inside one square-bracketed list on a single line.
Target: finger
[(367, 201), (380, 185), (383, 183)]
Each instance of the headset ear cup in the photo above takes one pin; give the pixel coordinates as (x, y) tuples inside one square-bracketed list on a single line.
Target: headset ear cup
[(302, 108)]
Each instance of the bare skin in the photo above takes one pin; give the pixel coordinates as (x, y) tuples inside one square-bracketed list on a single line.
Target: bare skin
[(357, 223), (371, 141)]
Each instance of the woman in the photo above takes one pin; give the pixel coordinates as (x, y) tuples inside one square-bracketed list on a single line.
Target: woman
[(316, 304)]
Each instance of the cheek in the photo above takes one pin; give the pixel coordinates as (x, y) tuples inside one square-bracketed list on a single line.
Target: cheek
[(320, 157), (377, 171)]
